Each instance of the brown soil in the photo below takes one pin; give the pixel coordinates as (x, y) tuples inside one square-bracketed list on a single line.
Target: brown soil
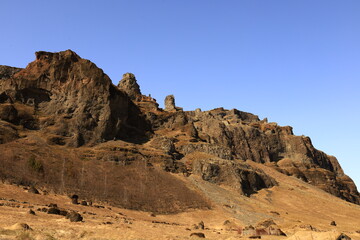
[(299, 209)]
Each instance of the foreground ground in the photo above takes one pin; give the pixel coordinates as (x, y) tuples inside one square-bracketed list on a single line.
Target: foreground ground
[(299, 209)]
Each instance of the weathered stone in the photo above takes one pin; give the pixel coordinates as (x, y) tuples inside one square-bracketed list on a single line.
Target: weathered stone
[(170, 103), (32, 189), (129, 85), (74, 217), (197, 234), (7, 72), (74, 199), (53, 210), (343, 236), (89, 108)]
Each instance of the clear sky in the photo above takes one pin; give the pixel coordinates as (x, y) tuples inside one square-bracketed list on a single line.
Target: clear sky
[(295, 62)]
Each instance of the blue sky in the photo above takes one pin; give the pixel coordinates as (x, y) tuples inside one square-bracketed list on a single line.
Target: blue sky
[(295, 62)]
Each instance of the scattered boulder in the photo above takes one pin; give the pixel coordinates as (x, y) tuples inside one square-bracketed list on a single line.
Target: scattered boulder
[(84, 203), (333, 223), (266, 227), (197, 234), (343, 236), (74, 199), (31, 212), (43, 209), (63, 212), (33, 190), (74, 217), (53, 210), (201, 225)]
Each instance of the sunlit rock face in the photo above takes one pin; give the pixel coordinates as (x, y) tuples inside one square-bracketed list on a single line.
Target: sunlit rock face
[(64, 117)]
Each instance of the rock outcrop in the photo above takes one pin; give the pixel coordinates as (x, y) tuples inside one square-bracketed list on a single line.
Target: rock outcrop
[(169, 103), (80, 101), (130, 86), (232, 134), (62, 99), (7, 72)]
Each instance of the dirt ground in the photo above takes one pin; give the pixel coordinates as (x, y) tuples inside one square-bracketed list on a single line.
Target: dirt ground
[(299, 210)]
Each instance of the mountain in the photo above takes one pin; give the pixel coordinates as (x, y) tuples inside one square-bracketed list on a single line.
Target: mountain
[(66, 128)]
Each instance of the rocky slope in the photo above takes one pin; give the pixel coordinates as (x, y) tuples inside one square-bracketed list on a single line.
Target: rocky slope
[(65, 127)]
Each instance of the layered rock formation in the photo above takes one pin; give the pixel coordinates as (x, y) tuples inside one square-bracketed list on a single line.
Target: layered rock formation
[(62, 99)]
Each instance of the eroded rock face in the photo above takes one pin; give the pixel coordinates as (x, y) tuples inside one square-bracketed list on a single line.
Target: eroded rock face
[(79, 99), (238, 175), (238, 135), (7, 72), (170, 103), (129, 85)]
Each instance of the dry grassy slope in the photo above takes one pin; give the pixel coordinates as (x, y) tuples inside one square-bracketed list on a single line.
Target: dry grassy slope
[(293, 205), (115, 171)]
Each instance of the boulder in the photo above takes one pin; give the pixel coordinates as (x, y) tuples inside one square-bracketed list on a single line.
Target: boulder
[(31, 212), (343, 236), (197, 234), (74, 217), (53, 210), (74, 199), (33, 190)]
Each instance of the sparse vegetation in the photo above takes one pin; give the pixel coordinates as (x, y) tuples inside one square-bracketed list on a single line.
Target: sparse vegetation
[(35, 165)]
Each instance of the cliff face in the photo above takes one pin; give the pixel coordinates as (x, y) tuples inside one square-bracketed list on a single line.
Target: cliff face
[(61, 101), (234, 135), (73, 99)]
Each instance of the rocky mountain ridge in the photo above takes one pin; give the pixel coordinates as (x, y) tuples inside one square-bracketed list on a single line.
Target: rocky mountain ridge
[(78, 127)]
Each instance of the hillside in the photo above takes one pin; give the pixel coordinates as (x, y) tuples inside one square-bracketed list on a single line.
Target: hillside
[(66, 129)]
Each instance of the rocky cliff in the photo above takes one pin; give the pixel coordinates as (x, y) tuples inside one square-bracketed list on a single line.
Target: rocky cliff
[(65, 126), (73, 99)]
